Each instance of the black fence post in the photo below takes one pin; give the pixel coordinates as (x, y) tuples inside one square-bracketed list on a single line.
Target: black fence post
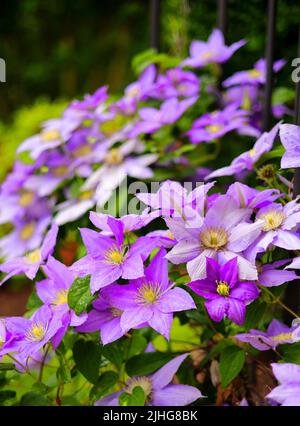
[(155, 24), (222, 16), (271, 28)]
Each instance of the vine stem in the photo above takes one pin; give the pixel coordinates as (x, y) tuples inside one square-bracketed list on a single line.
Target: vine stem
[(21, 365), (43, 363), (277, 300)]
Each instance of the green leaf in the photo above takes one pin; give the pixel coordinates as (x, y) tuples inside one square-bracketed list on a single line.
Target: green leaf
[(136, 398), (113, 353), (231, 363), (34, 399), (137, 344), (87, 356), (5, 366), (34, 301), (105, 382), (79, 295), (41, 388), (255, 314), (6, 394), (146, 363), (291, 353)]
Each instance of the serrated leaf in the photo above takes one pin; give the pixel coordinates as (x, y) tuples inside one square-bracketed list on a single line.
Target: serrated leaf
[(231, 362), (79, 295), (87, 356), (146, 363)]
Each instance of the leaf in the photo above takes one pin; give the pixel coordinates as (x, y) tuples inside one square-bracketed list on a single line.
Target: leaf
[(137, 344), (255, 314), (33, 399), (231, 363), (79, 295), (113, 353), (87, 356), (136, 398), (146, 363), (6, 394), (41, 388), (5, 366), (291, 353), (34, 301), (105, 382)]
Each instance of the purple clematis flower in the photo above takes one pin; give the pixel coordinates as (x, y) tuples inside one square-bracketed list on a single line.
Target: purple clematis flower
[(214, 50), (30, 335), (91, 102), (226, 295), (214, 125), (278, 229), (151, 299), (246, 160), (290, 139), (108, 259), (219, 237), (276, 334), (29, 264), (245, 196), (288, 391), (271, 276), (255, 76), (176, 83), (157, 388), (153, 119)]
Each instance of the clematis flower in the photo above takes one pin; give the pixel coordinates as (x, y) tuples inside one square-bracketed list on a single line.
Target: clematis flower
[(218, 237), (214, 125), (30, 263), (150, 299), (90, 102), (226, 295), (31, 334), (270, 275), (288, 391), (152, 119), (157, 388), (276, 334), (255, 76), (53, 291), (295, 264), (108, 259), (176, 83), (279, 223), (290, 139), (245, 196), (246, 160), (214, 50)]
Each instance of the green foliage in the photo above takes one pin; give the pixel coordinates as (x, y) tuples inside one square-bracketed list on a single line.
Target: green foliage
[(231, 362), (147, 363), (87, 357), (136, 398), (79, 295)]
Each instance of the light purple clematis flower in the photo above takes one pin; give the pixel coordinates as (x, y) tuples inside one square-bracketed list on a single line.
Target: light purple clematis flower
[(176, 83), (227, 296), (218, 237), (151, 299), (30, 335), (271, 276), (278, 229), (276, 334), (157, 388), (288, 391), (245, 196), (152, 119), (246, 160), (29, 264), (214, 50), (214, 125), (255, 76), (108, 259), (290, 139)]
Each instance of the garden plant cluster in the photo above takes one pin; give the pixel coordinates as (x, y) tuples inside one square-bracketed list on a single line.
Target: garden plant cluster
[(168, 296)]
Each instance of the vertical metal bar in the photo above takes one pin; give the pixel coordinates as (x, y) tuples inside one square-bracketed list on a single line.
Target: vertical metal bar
[(271, 27), (222, 16), (296, 186), (155, 24)]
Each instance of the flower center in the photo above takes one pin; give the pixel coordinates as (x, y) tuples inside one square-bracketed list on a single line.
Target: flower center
[(85, 195), (27, 231), (252, 152), (61, 297), (116, 255), (254, 73), (116, 312), (33, 257), (134, 91), (82, 151), (214, 128), (50, 135), (60, 171), (114, 157), (214, 238), (26, 199), (281, 336), (143, 382), (223, 288), (207, 55), (273, 219), (36, 332), (149, 293)]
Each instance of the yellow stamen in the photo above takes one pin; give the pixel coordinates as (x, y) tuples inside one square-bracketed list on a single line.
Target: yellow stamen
[(149, 293), (254, 73), (60, 171), (214, 238), (207, 55), (282, 336), (273, 219), (214, 128), (223, 288), (33, 257), (114, 157), (36, 332), (27, 231), (116, 255), (26, 198), (82, 151), (61, 297), (50, 135), (85, 195), (252, 152), (116, 312)]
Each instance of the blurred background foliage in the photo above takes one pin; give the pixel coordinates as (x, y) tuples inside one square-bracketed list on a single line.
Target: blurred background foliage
[(58, 50)]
